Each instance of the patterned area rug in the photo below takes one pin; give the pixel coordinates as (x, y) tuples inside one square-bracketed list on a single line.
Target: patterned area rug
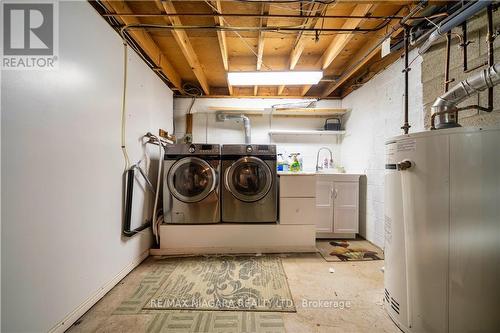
[(147, 288), (220, 322), (229, 283), (238, 283), (349, 250)]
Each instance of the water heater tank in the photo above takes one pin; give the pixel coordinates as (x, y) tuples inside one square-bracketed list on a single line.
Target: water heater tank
[(442, 230)]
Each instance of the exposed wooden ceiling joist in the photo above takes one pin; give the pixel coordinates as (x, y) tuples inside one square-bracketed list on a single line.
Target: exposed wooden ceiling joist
[(182, 39), (363, 56), (221, 36), (302, 38), (260, 41), (300, 43), (341, 41), (146, 43)]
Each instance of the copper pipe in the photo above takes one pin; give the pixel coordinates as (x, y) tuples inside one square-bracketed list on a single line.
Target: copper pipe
[(476, 67), (189, 123)]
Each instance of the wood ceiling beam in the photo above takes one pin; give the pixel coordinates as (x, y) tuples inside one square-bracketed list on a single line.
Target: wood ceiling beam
[(261, 40), (182, 40), (358, 57), (341, 41), (373, 69), (221, 36), (364, 55), (146, 42), (300, 42), (260, 43)]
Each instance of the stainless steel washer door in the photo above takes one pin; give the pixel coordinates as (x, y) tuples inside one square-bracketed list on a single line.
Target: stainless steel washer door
[(191, 179), (248, 179)]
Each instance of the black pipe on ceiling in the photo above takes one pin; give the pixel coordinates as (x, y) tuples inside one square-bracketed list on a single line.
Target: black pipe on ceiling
[(246, 15), (406, 126), (232, 28), (491, 53)]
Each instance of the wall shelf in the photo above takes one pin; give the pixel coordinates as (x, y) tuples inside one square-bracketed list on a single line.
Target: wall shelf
[(309, 112), (305, 132), (285, 112)]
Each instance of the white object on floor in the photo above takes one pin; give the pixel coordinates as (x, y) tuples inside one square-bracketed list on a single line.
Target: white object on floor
[(331, 270)]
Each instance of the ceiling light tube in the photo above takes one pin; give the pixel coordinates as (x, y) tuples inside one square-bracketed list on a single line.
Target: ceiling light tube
[(286, 78)]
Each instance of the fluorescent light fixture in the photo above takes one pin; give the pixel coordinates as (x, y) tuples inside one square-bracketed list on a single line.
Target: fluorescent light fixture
[(287, 78)]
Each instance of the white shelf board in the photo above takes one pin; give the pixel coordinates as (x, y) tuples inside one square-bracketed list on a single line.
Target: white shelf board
[(297, 112), (309, 112), (305, 132)]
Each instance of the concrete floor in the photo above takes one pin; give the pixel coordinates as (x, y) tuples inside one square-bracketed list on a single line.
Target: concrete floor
[(358, 284)]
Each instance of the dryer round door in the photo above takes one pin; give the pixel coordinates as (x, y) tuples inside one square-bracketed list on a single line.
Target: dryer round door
[(248, 179), (191, 179)]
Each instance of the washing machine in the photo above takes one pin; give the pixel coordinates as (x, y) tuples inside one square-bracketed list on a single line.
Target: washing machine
[(249, 186), (191, 184)]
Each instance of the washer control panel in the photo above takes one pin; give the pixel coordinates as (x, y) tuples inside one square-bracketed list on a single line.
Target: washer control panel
[(193, 149), (249, 150)]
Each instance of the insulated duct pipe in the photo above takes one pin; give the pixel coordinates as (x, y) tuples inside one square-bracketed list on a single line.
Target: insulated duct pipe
[(452, 22), (445, 105), (246, 122)]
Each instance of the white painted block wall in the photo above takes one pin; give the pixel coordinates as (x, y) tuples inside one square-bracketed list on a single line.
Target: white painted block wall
[(376, 113), (207, 130), (62, 172)]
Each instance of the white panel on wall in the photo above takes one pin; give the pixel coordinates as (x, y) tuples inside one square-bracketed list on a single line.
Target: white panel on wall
[(376, 113), (62, 171), (207, 129)]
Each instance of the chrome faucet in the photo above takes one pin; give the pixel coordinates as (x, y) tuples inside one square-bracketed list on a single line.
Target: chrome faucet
[(317, 157)]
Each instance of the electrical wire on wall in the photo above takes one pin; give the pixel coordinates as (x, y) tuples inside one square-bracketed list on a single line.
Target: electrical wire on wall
[(194, 92), (157, 215), (124, 115)]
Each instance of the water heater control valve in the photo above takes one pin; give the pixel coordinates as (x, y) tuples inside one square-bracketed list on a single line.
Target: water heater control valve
[(404, 165)]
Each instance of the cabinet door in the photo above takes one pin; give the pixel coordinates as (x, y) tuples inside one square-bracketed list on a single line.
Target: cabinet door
[(345, 211), (324, 206)]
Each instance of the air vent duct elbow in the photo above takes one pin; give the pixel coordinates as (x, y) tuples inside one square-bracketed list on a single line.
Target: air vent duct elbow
[(221, 116), (445, 105)]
